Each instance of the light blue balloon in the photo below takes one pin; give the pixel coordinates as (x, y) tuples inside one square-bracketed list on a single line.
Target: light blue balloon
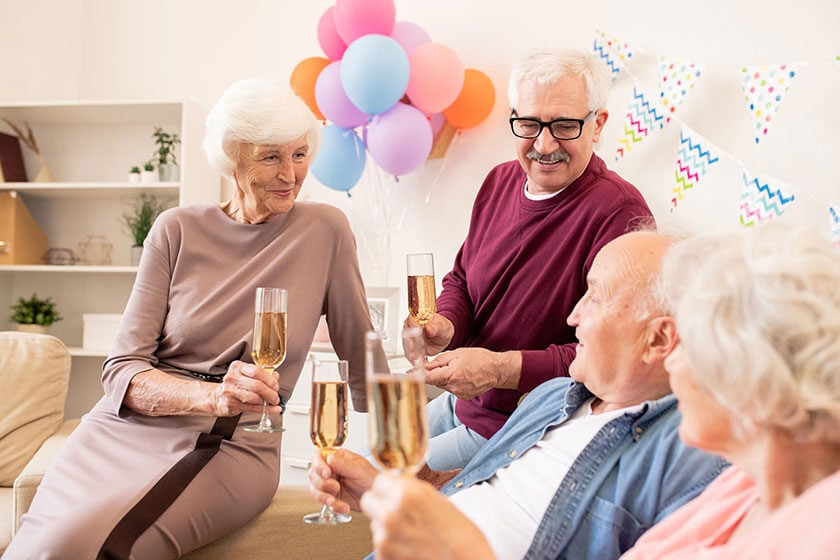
[(374, 73), (340, 160)]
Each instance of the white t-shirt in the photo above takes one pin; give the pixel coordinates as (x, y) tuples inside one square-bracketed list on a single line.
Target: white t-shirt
[(509, 506)]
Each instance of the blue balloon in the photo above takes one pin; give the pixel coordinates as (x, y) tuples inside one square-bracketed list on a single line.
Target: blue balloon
[(374, 73), (340, 160)]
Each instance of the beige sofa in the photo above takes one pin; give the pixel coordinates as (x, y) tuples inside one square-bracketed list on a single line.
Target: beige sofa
[(34, 374)]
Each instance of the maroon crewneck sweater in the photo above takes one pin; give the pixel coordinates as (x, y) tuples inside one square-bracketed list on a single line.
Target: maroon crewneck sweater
[(521, 270)]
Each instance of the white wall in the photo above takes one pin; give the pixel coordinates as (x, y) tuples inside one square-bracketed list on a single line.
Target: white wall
[(171, 49)]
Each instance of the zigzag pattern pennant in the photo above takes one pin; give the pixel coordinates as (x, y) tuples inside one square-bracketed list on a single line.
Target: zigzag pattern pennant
[(692, 163), (641, 118), (612, 51), (763, 200), (676, 77), (764, 88), (834, 213)]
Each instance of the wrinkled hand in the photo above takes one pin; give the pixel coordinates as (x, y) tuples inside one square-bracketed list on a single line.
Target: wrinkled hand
[(437, 333), (469, 372), (356, 475), (244, 389), (410, 520)]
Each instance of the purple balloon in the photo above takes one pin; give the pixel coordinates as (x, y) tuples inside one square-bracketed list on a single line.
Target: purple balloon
[(333, 102), (409, 35), (400, 139)]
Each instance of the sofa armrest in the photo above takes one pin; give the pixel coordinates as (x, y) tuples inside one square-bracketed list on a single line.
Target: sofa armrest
[(30, 477), (279, 532)]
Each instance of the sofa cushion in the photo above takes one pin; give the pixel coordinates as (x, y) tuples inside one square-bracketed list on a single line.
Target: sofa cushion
[(34, 375)]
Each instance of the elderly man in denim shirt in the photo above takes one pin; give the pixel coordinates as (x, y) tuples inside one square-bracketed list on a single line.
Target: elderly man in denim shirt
[(583, 466)]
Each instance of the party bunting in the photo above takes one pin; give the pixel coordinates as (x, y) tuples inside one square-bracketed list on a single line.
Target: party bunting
[(641, 117), (763, 200), (764, 87), (834, 213), (676, 77), (612, 51), (693, 161)]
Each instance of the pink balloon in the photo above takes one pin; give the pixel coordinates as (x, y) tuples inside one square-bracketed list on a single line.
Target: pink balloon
[(333, 102), (436, 78), (400, 139), (354, 18), (331, 43), (409, 36)]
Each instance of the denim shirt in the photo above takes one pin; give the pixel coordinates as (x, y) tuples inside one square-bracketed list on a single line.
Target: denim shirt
[(633, 473)]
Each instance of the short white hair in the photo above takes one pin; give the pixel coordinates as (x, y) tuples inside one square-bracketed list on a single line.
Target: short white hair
[(548, 66), (259, 111), (758, 314)]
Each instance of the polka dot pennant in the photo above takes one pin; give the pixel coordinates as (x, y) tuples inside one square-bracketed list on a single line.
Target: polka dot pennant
[(764, 88), (676, 78), (613, 52)]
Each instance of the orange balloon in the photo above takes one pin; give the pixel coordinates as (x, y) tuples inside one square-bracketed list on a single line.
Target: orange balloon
[(303, 81), (474, 102)]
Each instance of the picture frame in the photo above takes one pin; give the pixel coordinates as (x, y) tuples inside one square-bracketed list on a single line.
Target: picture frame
[(383, 305)]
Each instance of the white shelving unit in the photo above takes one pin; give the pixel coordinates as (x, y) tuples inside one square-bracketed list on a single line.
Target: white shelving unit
[(90, 146)]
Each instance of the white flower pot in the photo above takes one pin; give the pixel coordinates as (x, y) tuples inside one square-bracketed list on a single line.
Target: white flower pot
[(134, 177), (136, 253), (149, 176)]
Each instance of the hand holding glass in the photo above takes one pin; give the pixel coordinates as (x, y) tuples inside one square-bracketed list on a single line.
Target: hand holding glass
[(328, 422), (420, 269), (397, 427), (269, 346)]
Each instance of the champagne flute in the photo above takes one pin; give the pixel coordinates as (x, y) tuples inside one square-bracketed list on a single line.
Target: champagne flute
[(420, 269), (328, 422), (397, 427), (269, 347)]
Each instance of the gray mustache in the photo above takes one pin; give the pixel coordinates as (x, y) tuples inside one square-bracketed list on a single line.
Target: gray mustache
[(553, 157)]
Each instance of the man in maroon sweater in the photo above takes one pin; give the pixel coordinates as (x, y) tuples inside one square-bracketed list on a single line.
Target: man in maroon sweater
[(536, 226)]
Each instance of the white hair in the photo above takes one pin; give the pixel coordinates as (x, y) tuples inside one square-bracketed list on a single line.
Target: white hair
[(758, 314), (548, 66), (257, 111)]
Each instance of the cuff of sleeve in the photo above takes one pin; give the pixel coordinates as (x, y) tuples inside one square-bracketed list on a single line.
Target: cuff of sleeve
[(537, 367), (459, 323)]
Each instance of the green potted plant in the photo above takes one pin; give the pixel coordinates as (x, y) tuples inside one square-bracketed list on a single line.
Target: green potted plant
[(34, 314), (164, 154), (148, 174), (134, 174), (146, 208)]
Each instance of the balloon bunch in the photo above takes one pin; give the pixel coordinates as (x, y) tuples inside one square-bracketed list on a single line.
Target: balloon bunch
[(378, 86)]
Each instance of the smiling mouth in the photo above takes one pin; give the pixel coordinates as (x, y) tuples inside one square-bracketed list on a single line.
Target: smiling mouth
[(548, 159)]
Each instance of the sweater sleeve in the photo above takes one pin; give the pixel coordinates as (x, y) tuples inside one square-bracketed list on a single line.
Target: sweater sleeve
[(455, 304)]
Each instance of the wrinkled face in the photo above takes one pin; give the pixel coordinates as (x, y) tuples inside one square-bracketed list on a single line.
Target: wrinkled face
[(610, 331), (269, 178), (553, 164), (705, 424)]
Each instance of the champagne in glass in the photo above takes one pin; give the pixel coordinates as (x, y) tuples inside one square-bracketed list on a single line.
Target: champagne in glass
[(328, 422), (420, 268), (269, 346), (397, 426)]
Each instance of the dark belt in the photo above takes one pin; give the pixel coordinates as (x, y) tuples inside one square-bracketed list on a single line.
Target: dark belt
[(158, 499), (203, 376)]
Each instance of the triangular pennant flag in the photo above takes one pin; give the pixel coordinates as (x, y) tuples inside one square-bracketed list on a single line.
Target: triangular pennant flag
[(764, 88), (676, 77), (612, 51), (834, 213), (641, 118), (763, 200), (693, 160)]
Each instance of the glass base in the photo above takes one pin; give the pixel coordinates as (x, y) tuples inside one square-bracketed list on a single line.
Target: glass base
[(326, 518), (263, 429)]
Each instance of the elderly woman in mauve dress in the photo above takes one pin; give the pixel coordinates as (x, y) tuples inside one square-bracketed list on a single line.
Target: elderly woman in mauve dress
[(162, 464)]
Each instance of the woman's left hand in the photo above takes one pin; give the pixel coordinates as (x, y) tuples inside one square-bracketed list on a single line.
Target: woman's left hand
[(245, 388)]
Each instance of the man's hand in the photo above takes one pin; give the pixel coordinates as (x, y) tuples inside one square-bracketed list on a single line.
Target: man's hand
[(469, 372), (410, 520), (356, 475), (437, 333)]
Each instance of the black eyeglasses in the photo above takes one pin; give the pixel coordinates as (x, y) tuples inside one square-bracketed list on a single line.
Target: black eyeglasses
[(561, 129)]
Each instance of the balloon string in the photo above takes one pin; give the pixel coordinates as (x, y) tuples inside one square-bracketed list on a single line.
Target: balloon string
[(442, 167)]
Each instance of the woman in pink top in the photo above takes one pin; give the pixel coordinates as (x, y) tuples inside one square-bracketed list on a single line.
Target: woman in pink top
[(757, 375)]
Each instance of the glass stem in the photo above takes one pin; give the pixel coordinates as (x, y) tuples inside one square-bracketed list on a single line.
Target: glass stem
[(265, 421)]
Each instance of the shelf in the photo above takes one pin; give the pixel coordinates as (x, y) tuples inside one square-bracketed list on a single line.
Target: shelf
[(81, 190), (67, 268), (69, 113)]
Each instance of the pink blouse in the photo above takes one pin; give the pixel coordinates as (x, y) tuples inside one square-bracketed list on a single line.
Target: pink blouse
[(700, 530)]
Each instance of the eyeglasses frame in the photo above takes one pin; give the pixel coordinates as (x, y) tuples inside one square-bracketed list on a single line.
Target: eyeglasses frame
[(548, 124)]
